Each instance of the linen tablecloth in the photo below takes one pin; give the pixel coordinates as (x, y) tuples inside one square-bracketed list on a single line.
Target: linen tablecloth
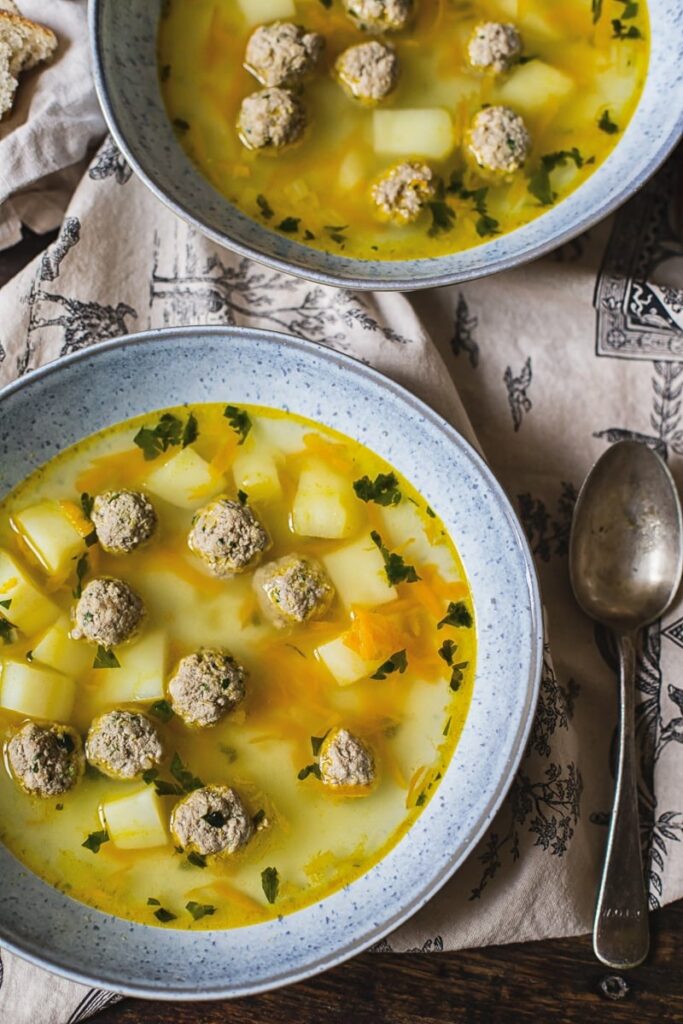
[(543, 367)]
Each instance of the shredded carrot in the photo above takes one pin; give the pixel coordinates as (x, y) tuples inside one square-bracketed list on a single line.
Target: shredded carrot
[(334, 455), (76, 517), (372, 635), (112, 471)]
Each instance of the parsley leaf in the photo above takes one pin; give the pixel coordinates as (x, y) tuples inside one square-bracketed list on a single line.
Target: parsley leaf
[(190, 431), (239, 420), (196, 859), (447, 727), (81, 570), (310, 769), (258, 819), (6, 630), (163, 788), (397, 571), (105, 658), (290, 225), (149, 775), (596, 10), (87, 503), (443, 217), (264, 206), (95, 840), (6, 604), (151, 902), (458, 674), (606, 124), (447, 652), (199, 910), (539, 182), (164, 915), (317, 742), (181, 124), (162, 710), (621, 31), (383, 490), (184, 776), (270, 880), (155, 440), (242, 497), (458, 614), (396, 663)]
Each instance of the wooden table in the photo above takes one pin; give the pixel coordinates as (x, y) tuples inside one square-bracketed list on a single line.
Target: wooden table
[(538, 983)]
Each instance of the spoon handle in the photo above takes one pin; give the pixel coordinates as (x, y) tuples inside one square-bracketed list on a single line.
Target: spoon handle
[(621, 935)]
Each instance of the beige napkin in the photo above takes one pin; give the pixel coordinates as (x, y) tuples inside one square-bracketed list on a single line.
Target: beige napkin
[(552, 363)]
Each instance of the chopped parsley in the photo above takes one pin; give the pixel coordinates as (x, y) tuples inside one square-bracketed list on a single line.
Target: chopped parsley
[(164, 788), (216, 819), (151, 902), (29, 655), (430, 512), (606, 124), (228, 751), (242, 497), (621, 31), (596, 10), (447, 727), (87, 503), (539, 182), (181, 125), (162, 710), (290, 225), (6, 630), (317, 742), (95, 840), (150, 775), (187, 780), (264, 206), (199, 910), (485, 224), (6, 604), (270, 880), (164, 915), (396, 663), (239, 420), (421, 799), (310, 769), (155, 440), (447, 652), (443, 217), (81, 570), (397, 571), (165, 73), (326, 4), (458, 614), (105, 658), (196, 859), (258, 819), (383, 490), (336, 234), (190, 431)]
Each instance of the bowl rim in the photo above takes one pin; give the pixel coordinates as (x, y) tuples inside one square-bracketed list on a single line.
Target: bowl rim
[(610, 202), (355, 367)]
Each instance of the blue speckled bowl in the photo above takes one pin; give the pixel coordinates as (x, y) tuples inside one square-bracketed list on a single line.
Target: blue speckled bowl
[(124, 52), (56, 406)]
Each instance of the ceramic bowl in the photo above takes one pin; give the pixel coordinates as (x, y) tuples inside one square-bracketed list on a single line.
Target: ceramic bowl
[(54, 407), (123, 36)]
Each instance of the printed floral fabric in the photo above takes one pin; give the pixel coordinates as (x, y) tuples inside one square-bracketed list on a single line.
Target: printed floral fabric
[(547, 365)]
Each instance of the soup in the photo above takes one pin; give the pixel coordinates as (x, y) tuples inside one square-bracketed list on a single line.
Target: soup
[(238, 654), (416, 137)]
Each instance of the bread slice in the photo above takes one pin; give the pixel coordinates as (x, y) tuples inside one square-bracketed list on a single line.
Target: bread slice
[(23, 45)]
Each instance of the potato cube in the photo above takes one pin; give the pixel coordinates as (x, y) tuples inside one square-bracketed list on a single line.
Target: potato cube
[(57, 650), (324, 503), (51, 537), (352, 171), (257, 12), (530, 86), (141, 674), (404, 528), (345, 665), (137, 821), (28, 609), (36, 692), (358, 573), (186, 480), (255, 472), (413, 132)]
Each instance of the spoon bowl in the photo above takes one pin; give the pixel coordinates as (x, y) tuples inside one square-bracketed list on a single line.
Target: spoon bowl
[(625, 561)]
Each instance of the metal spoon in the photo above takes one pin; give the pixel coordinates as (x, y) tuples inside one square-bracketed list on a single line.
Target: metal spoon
[(625, 560)]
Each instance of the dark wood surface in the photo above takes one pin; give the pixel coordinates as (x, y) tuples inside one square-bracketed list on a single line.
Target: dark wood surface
[(541, 982)]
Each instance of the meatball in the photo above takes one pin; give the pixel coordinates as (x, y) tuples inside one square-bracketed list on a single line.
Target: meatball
[(498, 140), (401, 194), (206, 685), (293, 589), (108, 612), (228, 537), (123, 744), (46, 760), (271, 119), (212, 820), (368, 71), (123, 520), (282, 53), (494, 46), (379, 15), (345, 760)]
